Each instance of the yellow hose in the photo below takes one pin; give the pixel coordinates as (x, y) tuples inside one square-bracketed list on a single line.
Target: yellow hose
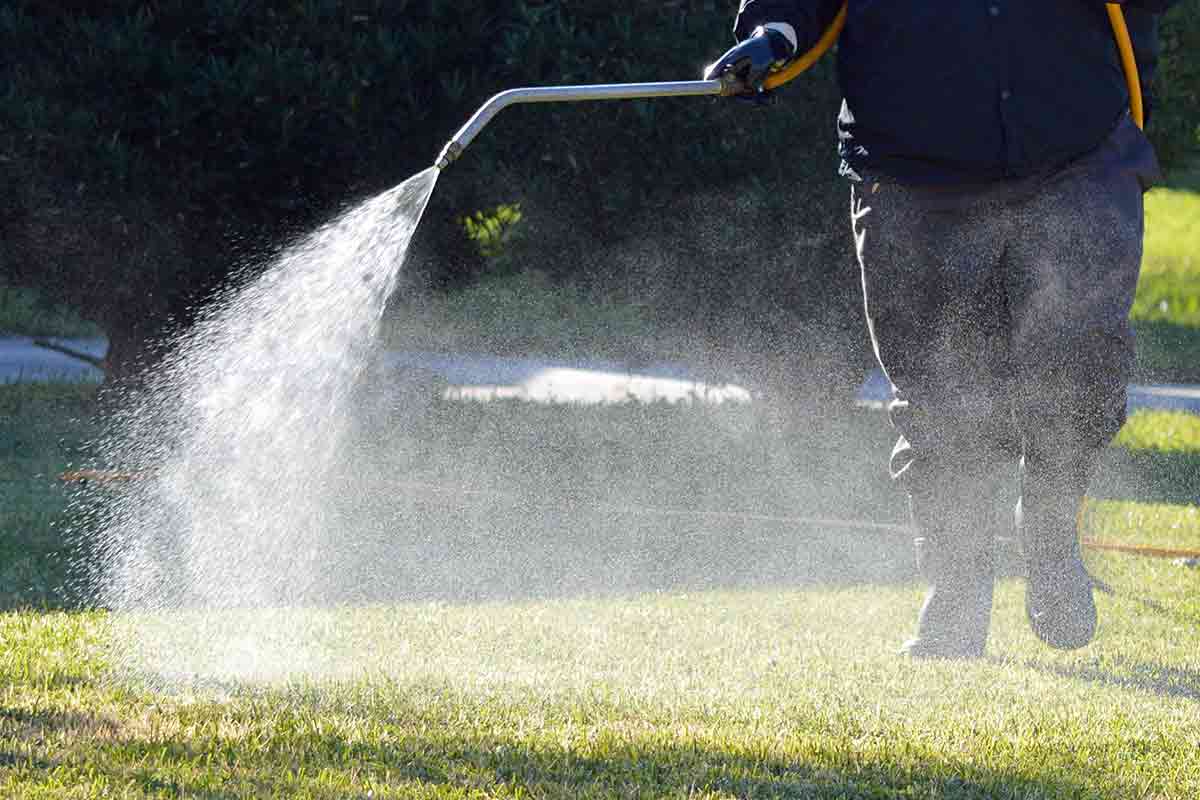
[(1115, 15), (1132, 79), (827, 40)]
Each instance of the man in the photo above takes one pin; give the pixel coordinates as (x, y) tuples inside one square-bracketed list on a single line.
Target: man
[(996, 203)]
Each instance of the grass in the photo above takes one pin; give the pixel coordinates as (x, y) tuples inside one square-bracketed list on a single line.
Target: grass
[(42, 431), (550, 482), (1161, 432), (1170, 289), (719, 683), (685, 660), (1166, 311), (778, 693)]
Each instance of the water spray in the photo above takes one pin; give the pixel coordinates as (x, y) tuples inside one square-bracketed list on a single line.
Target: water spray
[(233, 453)]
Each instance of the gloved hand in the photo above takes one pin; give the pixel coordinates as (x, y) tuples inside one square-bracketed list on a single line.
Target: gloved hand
[(753, 59)]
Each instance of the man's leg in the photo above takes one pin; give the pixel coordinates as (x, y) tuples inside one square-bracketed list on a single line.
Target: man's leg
[(938, 321), (1074, 264)]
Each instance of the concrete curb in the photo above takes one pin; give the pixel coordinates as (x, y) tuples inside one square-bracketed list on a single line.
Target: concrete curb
[(482, 377), (23, 361), (876, 392)]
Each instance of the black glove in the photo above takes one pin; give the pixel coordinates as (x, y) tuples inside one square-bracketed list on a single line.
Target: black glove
[(753, 59)]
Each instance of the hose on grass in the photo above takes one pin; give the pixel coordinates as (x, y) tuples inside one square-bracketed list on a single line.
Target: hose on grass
[(102, 477)]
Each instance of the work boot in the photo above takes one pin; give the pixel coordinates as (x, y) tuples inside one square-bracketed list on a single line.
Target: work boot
[(1058, 590), (957, 613)]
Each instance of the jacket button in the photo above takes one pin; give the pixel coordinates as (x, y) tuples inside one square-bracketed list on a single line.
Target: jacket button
[(1005, 94), (994, 10)]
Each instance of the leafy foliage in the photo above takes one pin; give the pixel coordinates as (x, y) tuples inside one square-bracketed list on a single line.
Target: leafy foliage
[(153, 147), (1175, 126), (25, 312), (149, 141), (491, 230)]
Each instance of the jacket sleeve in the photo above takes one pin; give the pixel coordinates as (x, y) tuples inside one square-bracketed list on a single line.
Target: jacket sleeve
[(809, 18)]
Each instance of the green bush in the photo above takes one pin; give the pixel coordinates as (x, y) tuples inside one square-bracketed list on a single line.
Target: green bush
[(152, 147), (1175, 127), (524, 313), (148, 142), (25, 312)]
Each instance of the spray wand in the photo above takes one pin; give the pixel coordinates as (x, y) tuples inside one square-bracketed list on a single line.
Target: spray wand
[(726, 85), (729, 85)]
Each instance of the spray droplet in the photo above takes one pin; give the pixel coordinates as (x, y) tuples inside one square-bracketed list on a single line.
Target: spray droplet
[(235, 439)]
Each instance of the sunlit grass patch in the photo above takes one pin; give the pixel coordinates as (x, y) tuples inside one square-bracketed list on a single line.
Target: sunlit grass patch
[(1172, 243), (1155, 524), (1169, 290), (1161, 431), (710, 694), (779, 691), (1166, 310)]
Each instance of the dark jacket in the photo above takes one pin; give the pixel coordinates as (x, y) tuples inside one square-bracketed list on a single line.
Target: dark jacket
[(965, 91)]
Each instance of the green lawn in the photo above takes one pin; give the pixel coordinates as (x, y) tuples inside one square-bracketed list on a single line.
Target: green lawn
[(1170, 288), (42, 431), (791, 689), (675, 655), (1167, 308), (780, 693), (586, 477)]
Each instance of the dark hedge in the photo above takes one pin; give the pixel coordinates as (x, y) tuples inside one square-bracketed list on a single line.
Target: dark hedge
[(148, 149)]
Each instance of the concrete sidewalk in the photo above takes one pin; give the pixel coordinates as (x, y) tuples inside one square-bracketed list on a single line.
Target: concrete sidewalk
[(476, 376), (875, 393), (22, 361)]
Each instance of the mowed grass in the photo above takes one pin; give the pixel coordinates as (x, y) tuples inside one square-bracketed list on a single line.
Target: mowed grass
[(1170, 286), (779, 693), (42, 431), (1162, 449), (590, 474), (1167, 308), (1161, 432)]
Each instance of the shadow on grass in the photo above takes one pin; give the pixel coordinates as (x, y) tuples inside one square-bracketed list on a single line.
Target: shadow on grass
[(496, 547), (440, 758), (1148, 477), (33, 726), (1155, 607), (1167, 353), (1127, 673)]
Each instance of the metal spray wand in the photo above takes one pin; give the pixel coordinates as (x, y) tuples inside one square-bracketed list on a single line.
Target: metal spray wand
[(726, 85)]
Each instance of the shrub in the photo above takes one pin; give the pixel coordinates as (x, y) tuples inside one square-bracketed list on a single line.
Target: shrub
[(152, 146), (1175, 127)]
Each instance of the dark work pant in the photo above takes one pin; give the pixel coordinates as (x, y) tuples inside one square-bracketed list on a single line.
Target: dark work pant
[(1000, 314)]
